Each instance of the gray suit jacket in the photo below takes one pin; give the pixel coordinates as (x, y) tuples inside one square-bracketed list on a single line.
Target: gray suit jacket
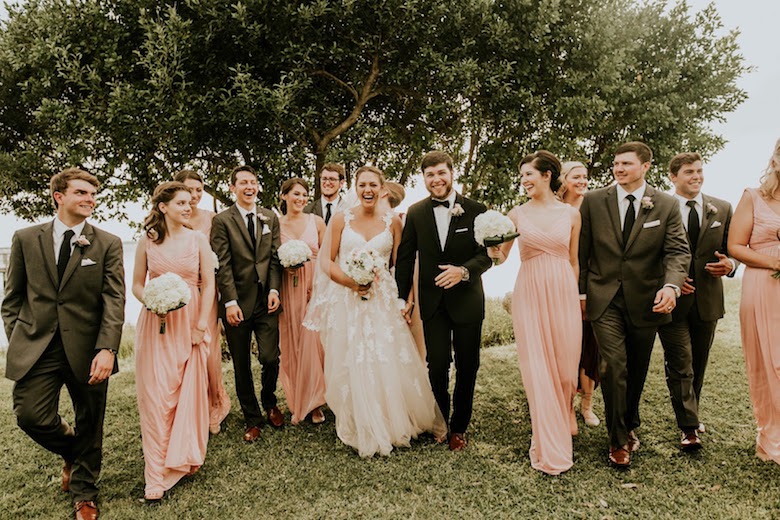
[(315, 207), (657, 254), (88, 306), (245, 275)]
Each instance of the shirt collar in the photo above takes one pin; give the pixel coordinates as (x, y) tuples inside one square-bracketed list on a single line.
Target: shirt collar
[(698, 198), (450, 199), (60, 228), (244, 212), (637, 193), (334, 203)]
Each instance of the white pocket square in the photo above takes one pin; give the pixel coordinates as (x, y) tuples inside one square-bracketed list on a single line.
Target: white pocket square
[(653, 223), (86, 262), (266, 229), (461, 230), (715, 224)]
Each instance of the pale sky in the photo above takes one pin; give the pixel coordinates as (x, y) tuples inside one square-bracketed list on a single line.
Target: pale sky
[(751, 130)]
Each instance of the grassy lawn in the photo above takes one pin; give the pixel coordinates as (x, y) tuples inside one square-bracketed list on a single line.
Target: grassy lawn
[(305, 472)]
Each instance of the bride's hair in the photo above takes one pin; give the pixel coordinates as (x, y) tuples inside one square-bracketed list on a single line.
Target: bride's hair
[(770, 182), (154, 223), (373, 169), (288, 185)]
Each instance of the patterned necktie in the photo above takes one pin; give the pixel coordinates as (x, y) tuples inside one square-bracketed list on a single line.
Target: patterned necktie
[(250, 225), (64, 256), (693, 225), (327, 211), (628, 222)]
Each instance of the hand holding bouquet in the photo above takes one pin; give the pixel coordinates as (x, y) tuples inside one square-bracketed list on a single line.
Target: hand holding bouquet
[(292, 255), (362, 266), (166, 293), (491, 228)]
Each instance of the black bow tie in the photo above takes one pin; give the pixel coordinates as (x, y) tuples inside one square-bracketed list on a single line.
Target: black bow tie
[(444, 203)]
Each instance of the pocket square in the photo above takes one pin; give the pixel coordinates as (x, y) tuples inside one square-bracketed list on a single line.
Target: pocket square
[(715, 224), (653, 223), (461, 230), (266, 229), (86, 262)]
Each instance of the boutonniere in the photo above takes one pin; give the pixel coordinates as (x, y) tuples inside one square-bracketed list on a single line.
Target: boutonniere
[(711, 209), (262, 217), (82, 241), (457, 210), (647, 203)]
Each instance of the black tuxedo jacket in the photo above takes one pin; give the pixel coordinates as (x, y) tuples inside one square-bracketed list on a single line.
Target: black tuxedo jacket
[(465, 303)]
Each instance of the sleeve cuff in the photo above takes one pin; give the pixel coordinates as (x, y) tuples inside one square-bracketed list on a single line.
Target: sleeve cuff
[(231, 303)]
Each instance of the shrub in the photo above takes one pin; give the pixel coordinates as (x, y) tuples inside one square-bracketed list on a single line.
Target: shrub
[(497, 327)]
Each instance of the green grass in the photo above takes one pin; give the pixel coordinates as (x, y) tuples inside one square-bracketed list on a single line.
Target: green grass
[(305, 472)]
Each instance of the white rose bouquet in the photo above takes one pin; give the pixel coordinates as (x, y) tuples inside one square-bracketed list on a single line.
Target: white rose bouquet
[(292, 255), (166, 293), (492, 228), (362, 266)]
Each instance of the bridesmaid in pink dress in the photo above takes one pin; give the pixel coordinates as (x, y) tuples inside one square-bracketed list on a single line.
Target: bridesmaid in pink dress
[(200, 220), (546, 311), (754, 240), (301, 357), (171, 367)]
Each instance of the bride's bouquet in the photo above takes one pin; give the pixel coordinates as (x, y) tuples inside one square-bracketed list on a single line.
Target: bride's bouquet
[(362, 266), (292, 255), (166, 293), (492, 228)]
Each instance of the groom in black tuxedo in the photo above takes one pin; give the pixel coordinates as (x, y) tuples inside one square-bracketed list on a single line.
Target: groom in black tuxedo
[(452, 303)]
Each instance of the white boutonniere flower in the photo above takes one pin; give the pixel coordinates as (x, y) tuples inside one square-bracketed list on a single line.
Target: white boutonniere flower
[(262, 217), (711, 209), (82, 241), (647, 203), (457, 210)]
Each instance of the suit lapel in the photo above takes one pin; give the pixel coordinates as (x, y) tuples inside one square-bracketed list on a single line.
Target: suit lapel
[(239, 221), (259, 227), (47, 250), (641, 216), (432, 223), (77, 254), (451, 228), (613, 209), (705, 219)]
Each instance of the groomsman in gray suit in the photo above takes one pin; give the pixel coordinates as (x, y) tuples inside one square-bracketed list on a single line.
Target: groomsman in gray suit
[(633, 261), (246, 237), (332, 178), (63, 313), (688, 338)]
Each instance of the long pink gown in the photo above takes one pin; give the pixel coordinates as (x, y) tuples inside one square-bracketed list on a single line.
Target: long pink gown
[(759, 317), (548, 332), (171, 379), (219, 401), (301, 358)]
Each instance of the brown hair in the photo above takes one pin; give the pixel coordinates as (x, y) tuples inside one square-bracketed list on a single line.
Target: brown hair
[(154, 223), (681, 159), (770, 181), (239, 169), (59, 182), (288, 185), (436, 157), (372, 169), (334, 167), (183, 175), (641, 150), (395, 193), (545, 161)]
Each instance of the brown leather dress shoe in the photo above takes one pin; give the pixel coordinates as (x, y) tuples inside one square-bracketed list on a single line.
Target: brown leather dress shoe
[(458, 442), (275, 417), (690, 441), (67, 467), (620, 457), (252, 433), (86, 510), (633, 441)]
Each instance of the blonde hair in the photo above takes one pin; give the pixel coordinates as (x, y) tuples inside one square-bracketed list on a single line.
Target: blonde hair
[(395, 193), (770, 181), (566, 168)]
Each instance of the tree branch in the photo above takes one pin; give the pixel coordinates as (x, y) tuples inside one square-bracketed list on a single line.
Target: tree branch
[(349, 88)]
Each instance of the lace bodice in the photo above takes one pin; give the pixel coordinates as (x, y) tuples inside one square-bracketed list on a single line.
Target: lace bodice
[(382, 243)]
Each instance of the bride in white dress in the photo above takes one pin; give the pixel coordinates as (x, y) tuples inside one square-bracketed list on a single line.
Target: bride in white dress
[(376, 383)]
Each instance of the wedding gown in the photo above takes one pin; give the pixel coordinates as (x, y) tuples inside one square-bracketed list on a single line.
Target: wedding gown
[(376, 384)]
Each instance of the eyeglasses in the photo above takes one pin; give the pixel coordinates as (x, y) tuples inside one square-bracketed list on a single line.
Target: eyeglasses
[(330, 179)]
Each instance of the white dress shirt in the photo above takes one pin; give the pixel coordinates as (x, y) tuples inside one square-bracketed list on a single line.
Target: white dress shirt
[(623, 201), (334, 205), (443, 215), (686, 210), (58, 232)]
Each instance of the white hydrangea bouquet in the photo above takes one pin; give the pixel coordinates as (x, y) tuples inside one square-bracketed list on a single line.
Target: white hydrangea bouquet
[(166, 293), (292, 255), (492, 228), (362, 266)]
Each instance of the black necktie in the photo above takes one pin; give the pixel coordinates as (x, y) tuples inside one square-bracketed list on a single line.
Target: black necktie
[(628, 223), (444, 203), (693, 225), (250, 225), (64, 257), (327, 211)]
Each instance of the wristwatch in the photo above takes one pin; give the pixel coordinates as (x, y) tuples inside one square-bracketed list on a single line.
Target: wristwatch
[(464, 274), (113, 351)]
